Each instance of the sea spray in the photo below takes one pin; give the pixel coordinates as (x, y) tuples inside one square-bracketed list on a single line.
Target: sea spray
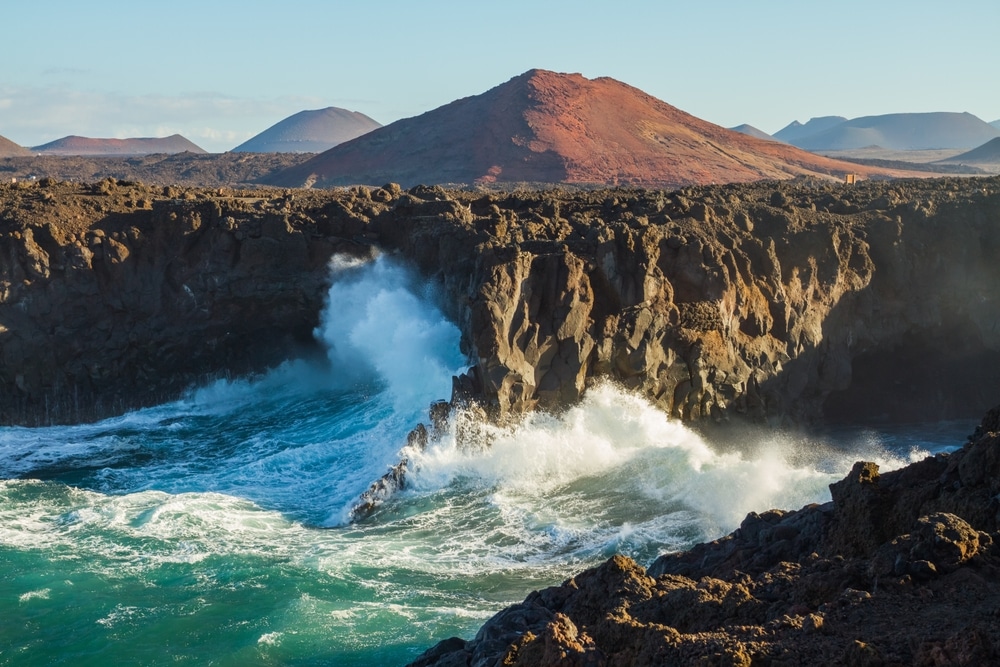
[(614, 438), (380, 322), (196, 531)]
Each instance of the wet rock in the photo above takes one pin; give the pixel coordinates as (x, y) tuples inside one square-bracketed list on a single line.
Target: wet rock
[(925, 596)]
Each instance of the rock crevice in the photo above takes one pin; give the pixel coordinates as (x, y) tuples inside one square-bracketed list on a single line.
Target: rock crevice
[(778, 302)]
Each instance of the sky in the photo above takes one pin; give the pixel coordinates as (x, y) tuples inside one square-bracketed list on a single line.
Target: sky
[(219, 72)]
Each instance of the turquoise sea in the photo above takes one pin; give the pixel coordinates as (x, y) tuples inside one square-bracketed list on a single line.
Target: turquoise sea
[(214, 530)]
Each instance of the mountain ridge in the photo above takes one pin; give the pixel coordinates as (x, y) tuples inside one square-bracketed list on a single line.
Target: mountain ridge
[(796, 130), (77, 145), (752, 131), (899, 131), (988, 153), (546, 127)]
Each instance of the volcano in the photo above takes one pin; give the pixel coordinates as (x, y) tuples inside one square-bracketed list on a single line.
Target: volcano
[(547, 128), (310, 132), (74, 145), (9, 149)]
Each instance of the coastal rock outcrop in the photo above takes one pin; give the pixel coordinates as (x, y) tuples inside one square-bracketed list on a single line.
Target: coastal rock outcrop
[(782, 302), (777, 302), (117, 295), (898, 569)]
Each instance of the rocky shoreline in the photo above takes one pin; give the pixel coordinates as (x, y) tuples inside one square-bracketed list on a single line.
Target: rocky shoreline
[(778, 302), (900, 568), (775, 302)]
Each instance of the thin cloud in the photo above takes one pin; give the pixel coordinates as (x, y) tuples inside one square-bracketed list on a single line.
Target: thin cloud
[(35, 115)]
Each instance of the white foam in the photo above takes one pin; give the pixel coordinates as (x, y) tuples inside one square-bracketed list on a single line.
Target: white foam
[(42, 594), (379, 321), (557, 471), (271, 638)]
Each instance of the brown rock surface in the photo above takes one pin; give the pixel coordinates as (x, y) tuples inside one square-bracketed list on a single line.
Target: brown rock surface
[(116, 295), (779, 302), (782, 302), (785, 589), (544, 127)]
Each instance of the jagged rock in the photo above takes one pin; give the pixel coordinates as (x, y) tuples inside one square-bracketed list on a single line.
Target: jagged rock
[(925, 595), (713, 302)]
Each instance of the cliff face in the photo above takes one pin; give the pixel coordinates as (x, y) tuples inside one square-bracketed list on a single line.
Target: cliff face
[(117, 296), (778, 301), (770, 301)]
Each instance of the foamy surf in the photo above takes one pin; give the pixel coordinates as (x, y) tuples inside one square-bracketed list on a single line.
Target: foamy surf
[(614, 444), (199, 531)]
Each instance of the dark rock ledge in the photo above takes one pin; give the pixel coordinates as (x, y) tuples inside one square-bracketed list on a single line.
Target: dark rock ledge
[(901, 568)]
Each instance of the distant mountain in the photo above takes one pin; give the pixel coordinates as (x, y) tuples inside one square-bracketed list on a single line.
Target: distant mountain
[(310, 132), (903, 131), (544, 127), (996, 124), (988, 153), (796, 130), (9, 149), (752, 131), (74, 145)]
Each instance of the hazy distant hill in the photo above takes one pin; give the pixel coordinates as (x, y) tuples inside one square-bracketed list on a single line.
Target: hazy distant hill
[(752, 131), (9, 149), (310, 132), (74, 145), (903, 131), (544, 127), (988, 153), (796, 130), (996, 124)]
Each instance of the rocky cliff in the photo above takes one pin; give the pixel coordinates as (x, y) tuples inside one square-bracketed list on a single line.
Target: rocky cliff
[(118, 295), (776, 301), (898, 569)]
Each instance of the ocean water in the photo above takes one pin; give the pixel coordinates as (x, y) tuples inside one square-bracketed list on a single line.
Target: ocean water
[(214, 530)]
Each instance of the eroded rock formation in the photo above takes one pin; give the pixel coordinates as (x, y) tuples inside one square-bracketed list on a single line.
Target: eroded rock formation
[(114, 296), (898, 569), (769, 301), (777, 301)]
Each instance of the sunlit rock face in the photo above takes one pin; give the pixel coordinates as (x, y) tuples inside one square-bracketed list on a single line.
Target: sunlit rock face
[(779, 301)]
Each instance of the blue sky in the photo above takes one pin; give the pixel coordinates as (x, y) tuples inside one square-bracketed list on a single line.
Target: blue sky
[(219, 72)]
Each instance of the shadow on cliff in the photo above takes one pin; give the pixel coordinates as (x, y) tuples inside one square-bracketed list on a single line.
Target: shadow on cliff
[(143, 304), (920, 343)]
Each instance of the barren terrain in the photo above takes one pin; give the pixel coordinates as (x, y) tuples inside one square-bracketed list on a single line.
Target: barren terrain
[(544, 127)]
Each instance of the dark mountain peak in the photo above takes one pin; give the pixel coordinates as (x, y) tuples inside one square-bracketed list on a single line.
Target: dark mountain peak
[(988, 153)]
